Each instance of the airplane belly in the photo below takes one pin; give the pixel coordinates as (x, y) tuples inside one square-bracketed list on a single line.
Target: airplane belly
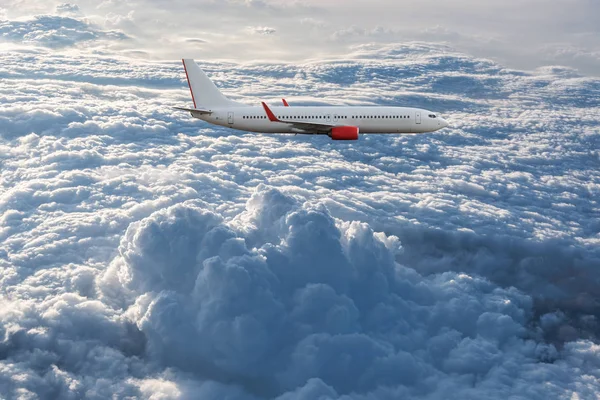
[(266, 128)]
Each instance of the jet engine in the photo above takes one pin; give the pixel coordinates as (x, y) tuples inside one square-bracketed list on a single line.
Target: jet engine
[(344, 133)]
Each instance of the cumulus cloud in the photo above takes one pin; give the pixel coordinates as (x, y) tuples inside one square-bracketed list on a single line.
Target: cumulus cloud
[(54, 31), (144, 253), (68, 8)]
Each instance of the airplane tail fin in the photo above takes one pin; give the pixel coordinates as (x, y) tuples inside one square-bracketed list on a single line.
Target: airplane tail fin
[(204, 92)]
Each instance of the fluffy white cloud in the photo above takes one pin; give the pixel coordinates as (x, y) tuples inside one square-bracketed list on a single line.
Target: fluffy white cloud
[(144, 253), (54, 31)]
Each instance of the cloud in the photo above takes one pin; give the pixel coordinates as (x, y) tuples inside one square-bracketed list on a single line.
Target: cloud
[(69, 9), (195, 40), (54, 31), (145, 253), (262, 30)]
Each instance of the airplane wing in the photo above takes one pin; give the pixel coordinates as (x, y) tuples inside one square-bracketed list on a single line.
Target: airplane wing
[(319, 127), (197, 110), (285, 103)]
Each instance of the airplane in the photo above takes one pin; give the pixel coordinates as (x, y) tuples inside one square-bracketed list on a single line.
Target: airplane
[(338, 122)]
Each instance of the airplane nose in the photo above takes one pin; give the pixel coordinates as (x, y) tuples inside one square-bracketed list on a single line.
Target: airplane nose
[(443, 123)]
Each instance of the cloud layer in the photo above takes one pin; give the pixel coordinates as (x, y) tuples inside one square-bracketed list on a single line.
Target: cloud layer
[(144, 253)]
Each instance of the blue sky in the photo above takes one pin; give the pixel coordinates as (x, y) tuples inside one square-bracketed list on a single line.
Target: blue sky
[(147, 254)]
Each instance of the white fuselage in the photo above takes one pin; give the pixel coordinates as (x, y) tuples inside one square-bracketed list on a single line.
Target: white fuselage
[(367, 119)]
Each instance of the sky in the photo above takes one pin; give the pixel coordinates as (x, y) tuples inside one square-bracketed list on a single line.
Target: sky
[(522, 34), (146, 254)]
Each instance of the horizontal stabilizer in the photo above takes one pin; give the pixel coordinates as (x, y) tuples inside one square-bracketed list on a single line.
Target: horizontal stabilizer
[(196, 110)]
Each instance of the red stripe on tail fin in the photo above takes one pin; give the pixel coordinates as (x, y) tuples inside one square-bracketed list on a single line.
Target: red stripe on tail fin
[(188, 81)]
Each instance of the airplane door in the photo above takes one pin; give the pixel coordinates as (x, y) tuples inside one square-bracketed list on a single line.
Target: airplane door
[(328, 117), (418, 117), (335, 118), (230, 118)]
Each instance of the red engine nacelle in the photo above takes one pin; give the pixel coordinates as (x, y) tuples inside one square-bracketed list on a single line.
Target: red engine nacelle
[(344, 133)]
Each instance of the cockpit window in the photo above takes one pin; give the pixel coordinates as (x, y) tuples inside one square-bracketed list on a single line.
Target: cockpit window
[(432, 116)]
